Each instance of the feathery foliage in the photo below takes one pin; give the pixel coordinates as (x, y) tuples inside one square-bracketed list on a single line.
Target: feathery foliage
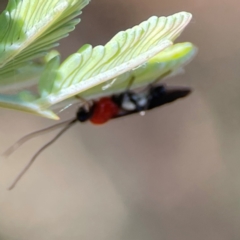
[(30, 29)]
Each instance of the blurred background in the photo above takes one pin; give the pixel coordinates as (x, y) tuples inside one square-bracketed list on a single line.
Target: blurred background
[(172, 174)]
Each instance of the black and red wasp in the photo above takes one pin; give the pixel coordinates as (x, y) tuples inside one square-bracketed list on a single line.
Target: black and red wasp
[(129, 102), (108, 108)]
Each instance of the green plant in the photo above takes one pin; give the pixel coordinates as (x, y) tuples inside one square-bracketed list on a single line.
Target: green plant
[(31, 28)]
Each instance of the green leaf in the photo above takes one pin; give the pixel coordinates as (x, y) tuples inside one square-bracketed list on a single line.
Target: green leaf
[(90, 67), (25, 102), (20, 78), (25, 76), (30, 28), (160, 66), (139, 52)]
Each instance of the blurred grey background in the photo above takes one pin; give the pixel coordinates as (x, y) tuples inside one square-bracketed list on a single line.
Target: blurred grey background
[(172, 174)]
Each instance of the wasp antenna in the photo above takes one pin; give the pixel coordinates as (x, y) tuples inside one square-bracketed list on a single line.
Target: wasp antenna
[(20, 175), (29, 136)]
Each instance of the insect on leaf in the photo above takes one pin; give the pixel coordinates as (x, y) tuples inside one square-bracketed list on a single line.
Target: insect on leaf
[(126, 53), (90, 67)]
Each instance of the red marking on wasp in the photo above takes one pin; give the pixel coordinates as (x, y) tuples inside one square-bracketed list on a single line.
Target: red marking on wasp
[(104, 110)]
